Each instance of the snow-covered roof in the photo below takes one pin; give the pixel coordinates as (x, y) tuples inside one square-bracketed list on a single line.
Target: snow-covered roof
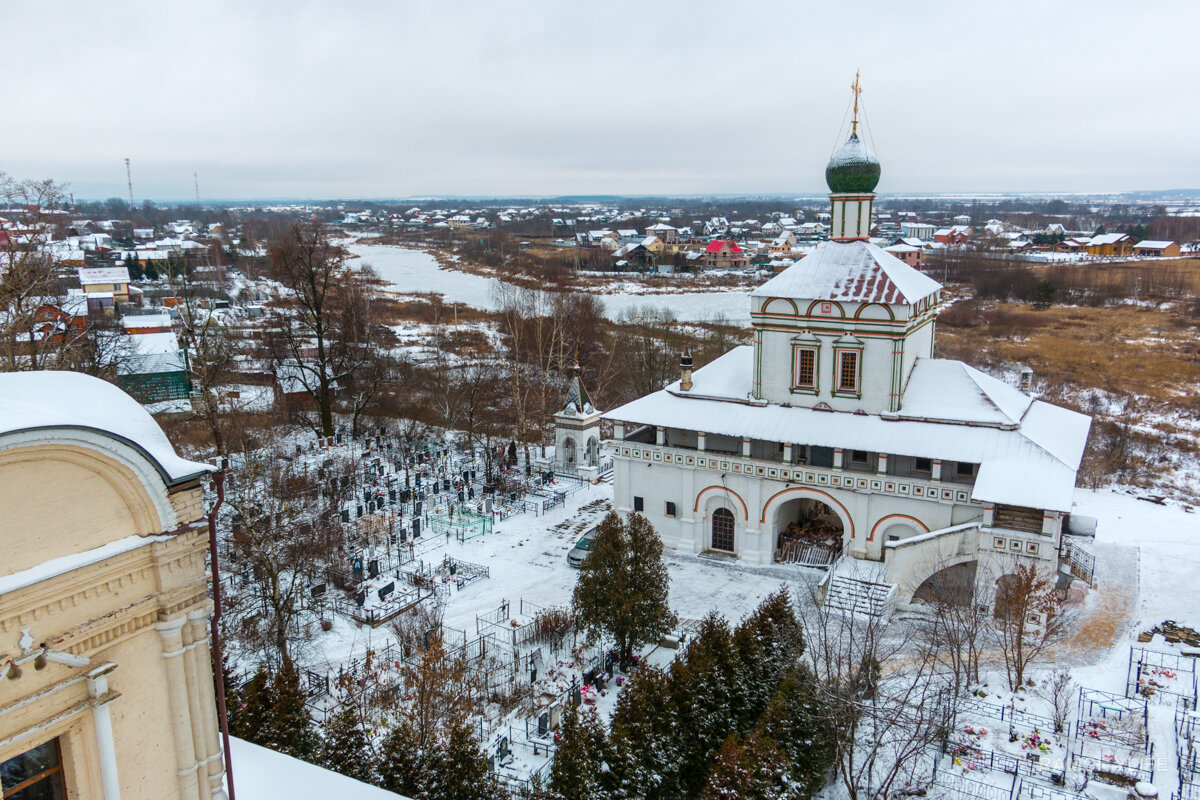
[(1028, 451), (91, 275), (146, 321), (1109, 238), (262, 774), (854, 271), (48, 400), (1152, 244)]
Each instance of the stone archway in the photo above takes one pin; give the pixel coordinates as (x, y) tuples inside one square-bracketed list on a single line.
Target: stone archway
[(806, 526), (593, 452), (568, 452), (954, 585)]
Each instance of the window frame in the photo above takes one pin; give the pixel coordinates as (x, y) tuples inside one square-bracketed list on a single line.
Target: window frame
[(814, 386), (58, 769), (839, 387), (671, 509), (639, 504)]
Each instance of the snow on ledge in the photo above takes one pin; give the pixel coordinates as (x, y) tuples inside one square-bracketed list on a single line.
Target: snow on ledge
[(59, 566)]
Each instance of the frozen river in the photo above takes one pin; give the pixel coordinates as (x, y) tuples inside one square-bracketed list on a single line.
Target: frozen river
[(411, 270)]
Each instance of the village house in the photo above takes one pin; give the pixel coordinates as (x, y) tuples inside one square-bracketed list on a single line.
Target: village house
[(909, 254), (837, 440), (95, 280), (1110, 244), (722, 254), (1156, 249), (957, 235), (782, 244), (918, 230)]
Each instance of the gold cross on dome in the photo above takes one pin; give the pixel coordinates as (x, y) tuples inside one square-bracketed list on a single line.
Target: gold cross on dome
[(857, 91)]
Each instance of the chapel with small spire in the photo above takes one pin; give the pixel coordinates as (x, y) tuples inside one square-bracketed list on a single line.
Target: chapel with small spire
[(577, 429)]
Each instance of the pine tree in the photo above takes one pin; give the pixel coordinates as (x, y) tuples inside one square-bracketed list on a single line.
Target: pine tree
[(135, 269), (344, 748), (708, 688), (644, 742), (756, 770), (252, 711), (576, 771), (403, 764), (460, 769), (150, 271), (291, 730), (795, 721), (623, 585), (769, 644)]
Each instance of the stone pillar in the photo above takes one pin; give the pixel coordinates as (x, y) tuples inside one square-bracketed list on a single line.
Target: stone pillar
[(936, 467), (619, 431), (745, 447), (106, 747), (701, 441), (787, 454), (174, 652), (837, 458), (883, 464), (208, 743), (660, 435)]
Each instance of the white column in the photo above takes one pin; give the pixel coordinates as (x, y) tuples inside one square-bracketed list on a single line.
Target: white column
[(701, 441), (745, 447), (97, 683), (837, 458), (787, 454), (618, 430), (936, 470), (660, 435), (171, 633), (208, 746), (883, 462)]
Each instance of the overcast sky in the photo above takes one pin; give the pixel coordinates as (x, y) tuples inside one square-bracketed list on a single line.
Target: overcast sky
[(396, 99)]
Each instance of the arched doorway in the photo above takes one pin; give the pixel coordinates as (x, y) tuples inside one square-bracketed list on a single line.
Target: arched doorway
[(807, 531), (953, 585), (593, 452), (722, 530), (569, 452)]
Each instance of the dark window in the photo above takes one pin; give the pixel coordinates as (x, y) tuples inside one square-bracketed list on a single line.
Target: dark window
[(858, 455), (924, 465), (638, 504), (36, 774), (670, 509), (821, 456), (964, 469), (722, 530), (800, 452)]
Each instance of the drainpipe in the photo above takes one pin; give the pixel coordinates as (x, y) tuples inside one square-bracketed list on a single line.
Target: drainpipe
[(217, 655)]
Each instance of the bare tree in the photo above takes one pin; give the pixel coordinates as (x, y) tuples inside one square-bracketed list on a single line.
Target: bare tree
[(883, 700), (1058, 689), (1028, 618), (283, 534), (326, 334), (954, 631)]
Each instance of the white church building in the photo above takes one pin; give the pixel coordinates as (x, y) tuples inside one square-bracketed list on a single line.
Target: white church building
[(836, 439)]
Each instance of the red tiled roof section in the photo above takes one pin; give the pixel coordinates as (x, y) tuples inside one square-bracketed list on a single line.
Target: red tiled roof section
[(870, 285), (715, 247)]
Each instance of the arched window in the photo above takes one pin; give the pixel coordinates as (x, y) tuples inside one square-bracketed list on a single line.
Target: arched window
[(722, 530)]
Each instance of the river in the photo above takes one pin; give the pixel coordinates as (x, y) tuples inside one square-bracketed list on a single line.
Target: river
[(410, 270)]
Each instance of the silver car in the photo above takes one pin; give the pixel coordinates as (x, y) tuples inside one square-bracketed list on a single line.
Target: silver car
[(581, 549)]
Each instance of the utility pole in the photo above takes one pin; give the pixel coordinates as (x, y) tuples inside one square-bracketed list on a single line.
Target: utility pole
[(129, 180), (196, 178)]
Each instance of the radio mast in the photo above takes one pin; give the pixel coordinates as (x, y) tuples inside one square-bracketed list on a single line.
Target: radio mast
[(129, 180)]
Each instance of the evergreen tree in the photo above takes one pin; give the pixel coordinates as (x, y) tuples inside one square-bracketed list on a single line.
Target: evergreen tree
[(135, 269), (708, 687), (1043, 295), (795, 721), (344, 748), (576, 771), (644, 740), (460, 769), (403, 765), (290, 729), (252, 711), (756, 770), (623, 585), (150, 271), (769, 644)]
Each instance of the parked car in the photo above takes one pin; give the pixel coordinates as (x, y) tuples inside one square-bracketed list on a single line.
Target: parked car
[(580, 551)]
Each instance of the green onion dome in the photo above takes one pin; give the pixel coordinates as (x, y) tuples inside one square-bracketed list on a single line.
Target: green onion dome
[(853, 168)]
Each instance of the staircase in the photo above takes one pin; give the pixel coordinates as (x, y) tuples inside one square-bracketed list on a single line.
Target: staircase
[(857, 587)]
